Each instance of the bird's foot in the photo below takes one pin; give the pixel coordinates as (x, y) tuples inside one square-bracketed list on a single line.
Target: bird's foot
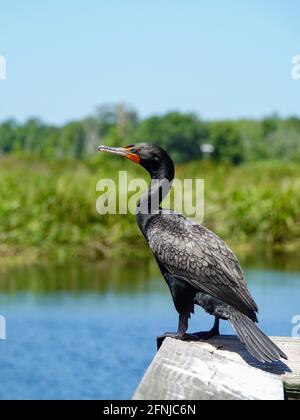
[(206, 335), (177, 336)]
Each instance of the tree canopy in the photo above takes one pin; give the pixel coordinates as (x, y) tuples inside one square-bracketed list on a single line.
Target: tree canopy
[(182, 134)]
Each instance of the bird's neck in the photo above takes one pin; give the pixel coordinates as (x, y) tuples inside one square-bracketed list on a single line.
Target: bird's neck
[(160, 185)]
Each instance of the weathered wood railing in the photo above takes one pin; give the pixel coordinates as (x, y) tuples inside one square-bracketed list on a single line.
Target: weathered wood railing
[(220, 369)]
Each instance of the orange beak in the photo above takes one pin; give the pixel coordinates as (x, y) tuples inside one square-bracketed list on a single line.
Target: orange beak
[(121, 151)]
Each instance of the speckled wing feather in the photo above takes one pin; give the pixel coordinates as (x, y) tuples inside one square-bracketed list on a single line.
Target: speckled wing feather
[(192, 253)]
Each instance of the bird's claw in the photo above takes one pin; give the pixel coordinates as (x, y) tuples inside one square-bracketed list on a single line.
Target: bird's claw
[(177, 336), (206, 335)]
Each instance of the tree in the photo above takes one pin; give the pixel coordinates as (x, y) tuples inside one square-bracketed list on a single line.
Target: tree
[(116, 123), (180, 134), (72, 140), (227, 142)]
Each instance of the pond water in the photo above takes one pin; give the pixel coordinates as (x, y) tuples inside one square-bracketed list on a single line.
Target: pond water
[(88, 332)]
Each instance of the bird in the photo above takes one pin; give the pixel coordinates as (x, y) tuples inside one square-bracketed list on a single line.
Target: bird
[(198, 266)]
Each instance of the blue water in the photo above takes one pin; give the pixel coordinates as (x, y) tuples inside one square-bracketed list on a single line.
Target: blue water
[(92, 335)]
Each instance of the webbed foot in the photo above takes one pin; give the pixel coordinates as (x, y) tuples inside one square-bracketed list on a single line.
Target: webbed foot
[(177, 336), (206, 335)]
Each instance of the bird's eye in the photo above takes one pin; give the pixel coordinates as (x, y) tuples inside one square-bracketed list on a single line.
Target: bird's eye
[(133, 151)]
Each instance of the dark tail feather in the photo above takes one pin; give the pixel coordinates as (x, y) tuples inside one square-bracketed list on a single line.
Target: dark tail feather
[(256, 342)]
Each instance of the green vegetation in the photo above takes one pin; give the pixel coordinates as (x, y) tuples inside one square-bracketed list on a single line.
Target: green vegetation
[(181, 134), (47, 208), (48, 178)]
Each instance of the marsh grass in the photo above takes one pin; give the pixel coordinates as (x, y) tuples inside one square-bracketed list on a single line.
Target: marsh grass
[(48, 209)]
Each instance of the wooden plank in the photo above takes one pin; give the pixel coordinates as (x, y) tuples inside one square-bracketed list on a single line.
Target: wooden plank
[(288, 371), (201, 371)]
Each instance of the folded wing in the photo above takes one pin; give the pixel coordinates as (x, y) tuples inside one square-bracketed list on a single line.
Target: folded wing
[(197, 256)]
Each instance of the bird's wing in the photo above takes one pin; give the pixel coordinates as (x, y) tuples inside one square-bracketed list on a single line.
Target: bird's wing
[(194, 254)]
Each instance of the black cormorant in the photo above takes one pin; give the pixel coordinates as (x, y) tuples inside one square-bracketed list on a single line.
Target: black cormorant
[(197, 265)]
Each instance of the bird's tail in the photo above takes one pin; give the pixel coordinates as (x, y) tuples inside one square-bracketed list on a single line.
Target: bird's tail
[(256, 342)]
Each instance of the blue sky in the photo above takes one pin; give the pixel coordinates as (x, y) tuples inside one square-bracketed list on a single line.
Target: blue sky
[(219, 58)]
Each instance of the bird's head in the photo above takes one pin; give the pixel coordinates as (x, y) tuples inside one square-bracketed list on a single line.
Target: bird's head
[(151, 156)]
